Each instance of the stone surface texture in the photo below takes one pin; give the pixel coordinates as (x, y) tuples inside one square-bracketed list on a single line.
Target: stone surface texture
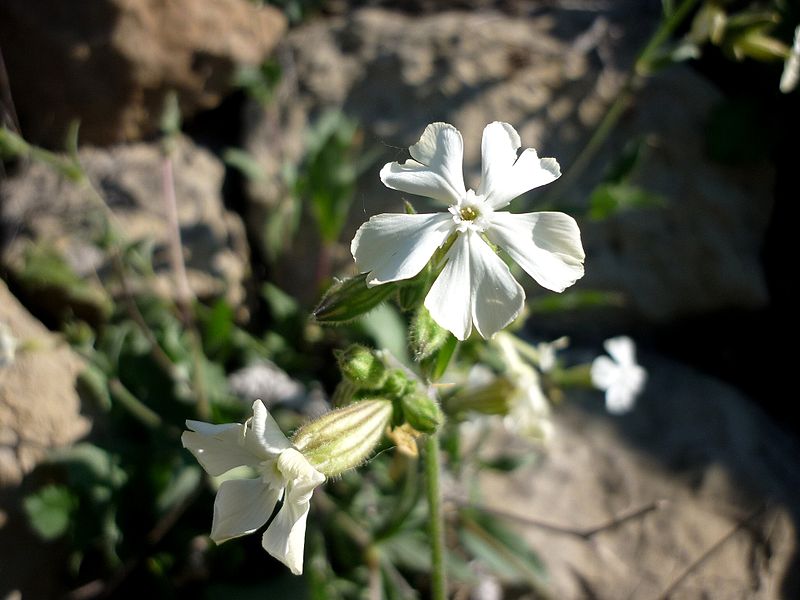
[(40, 206), (110, 63)]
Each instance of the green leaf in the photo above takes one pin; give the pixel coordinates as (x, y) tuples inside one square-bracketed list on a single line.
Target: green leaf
[(575, 300), (609, 198), (181, 486), (501, 550), (245, 163), (387, 328), (49, 510), (281, 305), (628, 160)]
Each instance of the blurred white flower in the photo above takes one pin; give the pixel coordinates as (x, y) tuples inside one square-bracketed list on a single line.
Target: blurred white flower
[(622, 378), (475, 286), (791, 68), (8, 346), (546, 352), (242, 506), (529, 410)]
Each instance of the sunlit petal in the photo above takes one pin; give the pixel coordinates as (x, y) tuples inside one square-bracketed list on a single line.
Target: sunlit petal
[(265, 432), (546, 244), (496, 296), (449, 299), (392, 247), (218, 448)]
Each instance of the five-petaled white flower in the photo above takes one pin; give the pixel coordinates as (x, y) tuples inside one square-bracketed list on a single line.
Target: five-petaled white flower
[(243, 505), (622, 378), (475, 286)]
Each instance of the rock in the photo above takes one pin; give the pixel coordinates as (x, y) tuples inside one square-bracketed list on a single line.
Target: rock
[(693, 445), (552, 76), (129, 177), (110, 63), (39, 407)]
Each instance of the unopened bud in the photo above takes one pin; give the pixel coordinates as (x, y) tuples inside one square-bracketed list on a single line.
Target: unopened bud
[(396, 385), (422, 412), (490, 399), (351, 298), (426, 335), (360, 365), (343, 439)]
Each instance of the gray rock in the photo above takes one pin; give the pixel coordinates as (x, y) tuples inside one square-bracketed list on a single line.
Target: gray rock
[(695, 446), (110, 63), (38, 206), (552, 76)]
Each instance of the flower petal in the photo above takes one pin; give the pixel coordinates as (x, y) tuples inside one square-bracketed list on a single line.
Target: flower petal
[(392, 247), (506, 174), (265, 433), (285, 537), (546, 244), (242, 506), (436, 166), (620, 399), (449, 299), (604, 372), (622, 349), (497, 298), (218, 448)]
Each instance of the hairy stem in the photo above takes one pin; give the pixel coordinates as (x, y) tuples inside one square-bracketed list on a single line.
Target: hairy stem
[(432, 466)]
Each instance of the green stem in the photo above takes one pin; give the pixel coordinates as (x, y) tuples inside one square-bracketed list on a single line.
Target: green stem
[(432, 466)]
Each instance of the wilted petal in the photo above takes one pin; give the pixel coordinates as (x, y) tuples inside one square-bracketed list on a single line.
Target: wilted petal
[(496, 298), (622, 349), (285, 537), (265, 433), (546, 244), (392, 247), (449, 299), (218, 448), (242, 506), (506, 175)]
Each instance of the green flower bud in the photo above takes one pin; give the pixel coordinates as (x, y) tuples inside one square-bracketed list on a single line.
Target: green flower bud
[(491, 399), (351, 298), (360, 365), (396, 384), (343, 439), (426, 335), (422, 412)]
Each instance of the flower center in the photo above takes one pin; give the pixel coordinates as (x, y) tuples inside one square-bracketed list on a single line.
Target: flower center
[(469, 213)]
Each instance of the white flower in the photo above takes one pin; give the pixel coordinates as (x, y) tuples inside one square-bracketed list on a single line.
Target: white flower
[(475, 286), (791, 68), (622, 378), (243, 506)]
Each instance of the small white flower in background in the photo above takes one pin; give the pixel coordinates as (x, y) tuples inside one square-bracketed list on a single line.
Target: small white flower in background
[(791, 68), (547, 353), (242, 506), (622, 378), (475, 286), (8, 346)]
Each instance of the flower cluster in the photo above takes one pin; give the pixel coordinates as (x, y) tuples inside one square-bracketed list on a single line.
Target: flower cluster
[(475, 287)]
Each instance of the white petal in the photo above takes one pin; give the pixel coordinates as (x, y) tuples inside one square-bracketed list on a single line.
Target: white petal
[(392, 247), (285, 537), (622, 349), (265, 433), (436, 166), (449, 299), (619, 399), (508, 179), (604, 372), (498, 154), (218, 448), (497, 298), (242, 506), (546, 244)]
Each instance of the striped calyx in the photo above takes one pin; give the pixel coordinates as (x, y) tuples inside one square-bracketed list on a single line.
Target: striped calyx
[(343, 438)]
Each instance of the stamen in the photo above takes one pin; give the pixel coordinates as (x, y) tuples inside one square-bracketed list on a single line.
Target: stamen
[(469, 213)]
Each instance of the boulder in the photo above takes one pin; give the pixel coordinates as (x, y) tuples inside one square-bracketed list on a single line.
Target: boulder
[(551, 73), (38, 207), (110, 63), (39, 407)]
